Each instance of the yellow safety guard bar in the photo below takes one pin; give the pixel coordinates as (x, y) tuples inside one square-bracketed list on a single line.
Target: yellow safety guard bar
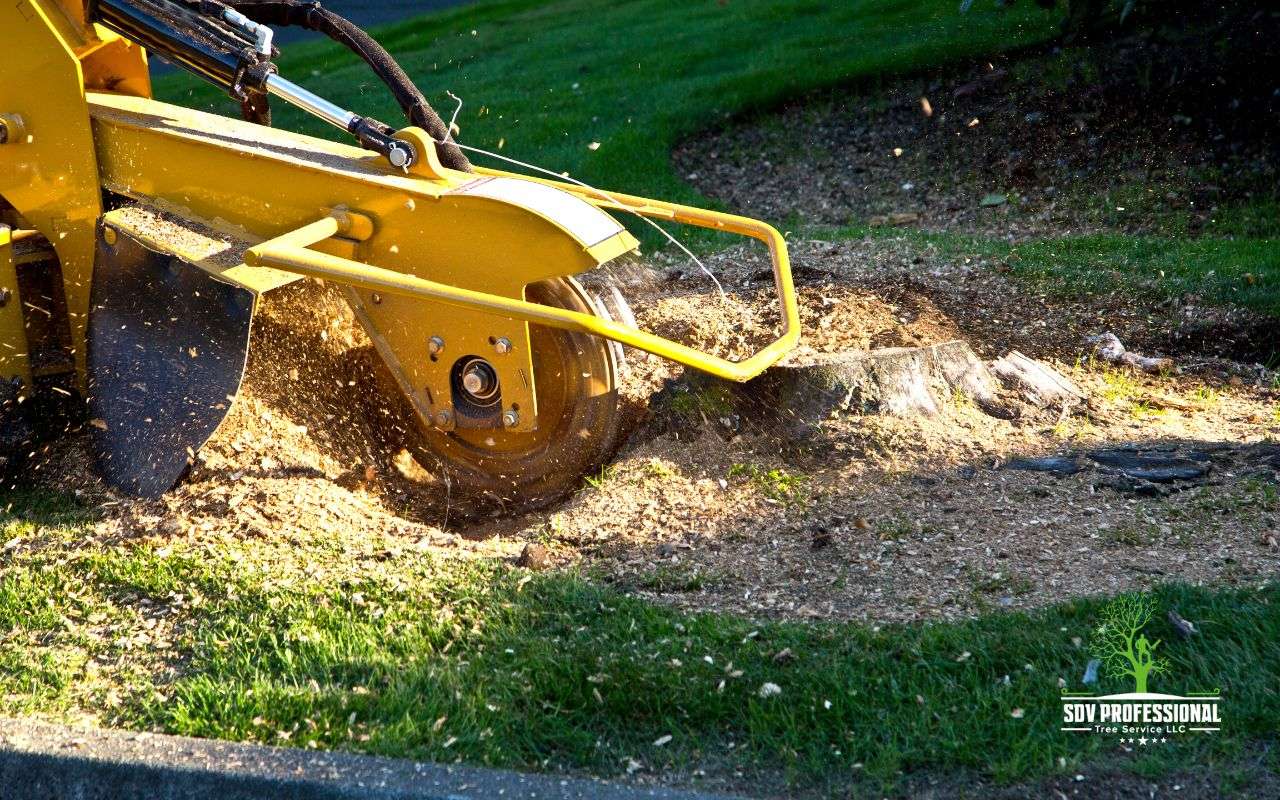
[(291, 252)]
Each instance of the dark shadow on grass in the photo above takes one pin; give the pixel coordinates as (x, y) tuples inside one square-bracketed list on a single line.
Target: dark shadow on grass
[(552, 673)]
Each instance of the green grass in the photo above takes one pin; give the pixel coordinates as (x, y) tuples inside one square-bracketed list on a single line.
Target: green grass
[(776, 483), (1243, 272), (546, 79), (484, 663)]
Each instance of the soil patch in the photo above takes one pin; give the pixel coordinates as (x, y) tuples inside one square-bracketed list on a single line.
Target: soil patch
[(875, 517), (1158, 133)]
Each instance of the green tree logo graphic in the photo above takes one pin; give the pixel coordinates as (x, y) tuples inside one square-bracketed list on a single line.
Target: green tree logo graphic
[(1121, 647)]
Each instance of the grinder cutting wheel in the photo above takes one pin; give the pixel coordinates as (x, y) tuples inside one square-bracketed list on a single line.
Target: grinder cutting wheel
[(136, 238)]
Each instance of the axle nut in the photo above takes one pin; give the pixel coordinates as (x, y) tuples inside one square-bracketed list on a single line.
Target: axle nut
[(502, 346), (400, 155), (510, 418)]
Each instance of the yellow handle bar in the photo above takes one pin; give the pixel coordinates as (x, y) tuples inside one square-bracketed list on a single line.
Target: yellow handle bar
[(290, 252)]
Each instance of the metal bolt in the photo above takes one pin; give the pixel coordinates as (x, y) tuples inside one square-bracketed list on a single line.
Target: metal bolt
[(435, 345), (377, 299), (109, 235), (399, 155), (4, 132), (473, 382), (444, 417), (502, 346), (510, 418), (5, 294)]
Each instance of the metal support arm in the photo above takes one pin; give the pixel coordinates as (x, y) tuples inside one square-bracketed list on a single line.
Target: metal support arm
[(290, 252)]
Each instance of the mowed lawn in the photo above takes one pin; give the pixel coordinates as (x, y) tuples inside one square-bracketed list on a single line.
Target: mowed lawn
[(489, 664), (485, 663), (543, 81)]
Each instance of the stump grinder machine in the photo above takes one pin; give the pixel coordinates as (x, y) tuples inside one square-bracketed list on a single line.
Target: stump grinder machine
[(136, 238)]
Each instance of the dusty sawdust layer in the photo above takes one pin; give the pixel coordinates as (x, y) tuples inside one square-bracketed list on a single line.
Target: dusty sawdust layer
[(892, 519), (879, 518)]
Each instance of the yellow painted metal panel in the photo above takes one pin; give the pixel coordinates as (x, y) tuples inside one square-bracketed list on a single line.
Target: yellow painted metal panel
[(268, 182), (49, 173), (13, 334)]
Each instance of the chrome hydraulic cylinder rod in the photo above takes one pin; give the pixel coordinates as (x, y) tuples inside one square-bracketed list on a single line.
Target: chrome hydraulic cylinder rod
[(310, 102)]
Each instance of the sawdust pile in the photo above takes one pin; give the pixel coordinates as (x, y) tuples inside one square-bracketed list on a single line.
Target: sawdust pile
[(308, 470), (889, 518), (316, 441)]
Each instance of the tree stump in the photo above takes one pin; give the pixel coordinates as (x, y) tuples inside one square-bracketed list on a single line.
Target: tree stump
[(902, 381), (1038, 384)]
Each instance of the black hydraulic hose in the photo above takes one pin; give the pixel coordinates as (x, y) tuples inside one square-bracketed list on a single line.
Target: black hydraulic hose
[(312, 16)]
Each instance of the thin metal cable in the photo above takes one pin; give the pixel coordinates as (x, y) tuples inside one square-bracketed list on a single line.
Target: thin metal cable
[(600, 192)]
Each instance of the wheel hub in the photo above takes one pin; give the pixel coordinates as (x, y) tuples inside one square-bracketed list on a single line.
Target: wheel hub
[(478, 381), (487, 463)]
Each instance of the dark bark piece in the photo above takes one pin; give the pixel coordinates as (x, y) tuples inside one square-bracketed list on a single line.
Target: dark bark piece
[(1157, 468), (1058, 465), (1125, 459), (1166, 474)]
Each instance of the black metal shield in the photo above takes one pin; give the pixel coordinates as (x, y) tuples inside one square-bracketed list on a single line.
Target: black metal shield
[(167, 348)]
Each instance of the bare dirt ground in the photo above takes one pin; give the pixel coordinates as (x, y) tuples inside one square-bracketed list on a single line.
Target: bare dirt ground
[(1143, 135), (884, 518), (878, 517)]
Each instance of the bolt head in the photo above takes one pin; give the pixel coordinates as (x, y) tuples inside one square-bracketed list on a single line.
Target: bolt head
[(502, 346), (400, 155), (443, 417), (473, 382), (435, 345), (109, 235), (510, 418), (376, 298)]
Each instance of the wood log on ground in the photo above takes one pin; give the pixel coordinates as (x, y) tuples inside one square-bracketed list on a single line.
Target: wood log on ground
[(1109, 348)]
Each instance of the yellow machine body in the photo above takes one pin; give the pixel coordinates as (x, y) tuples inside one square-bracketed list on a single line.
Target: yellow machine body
[(435, 262)]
